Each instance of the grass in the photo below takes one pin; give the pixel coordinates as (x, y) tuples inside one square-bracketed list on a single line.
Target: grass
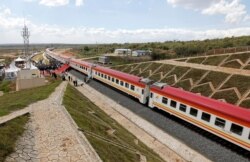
[(238, 81), (195, 74), (9, 133), (229, 95), (20, 99), (165, 68), (143, 66), (179, 71), (214, 60), (204, 90), (232, 64), (135, 72), (197, 60), (243, 57), (216, 78), (245, 104), (155, 77), (96, 124), (186, 85), (7, 86), (169, 80), (144, 74)]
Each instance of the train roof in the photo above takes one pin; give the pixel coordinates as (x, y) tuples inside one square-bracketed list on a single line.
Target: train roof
[(223, 109), (121, 75), (84, 63)]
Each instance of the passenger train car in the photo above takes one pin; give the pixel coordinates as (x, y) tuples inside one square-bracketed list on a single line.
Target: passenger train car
[(227, 121)]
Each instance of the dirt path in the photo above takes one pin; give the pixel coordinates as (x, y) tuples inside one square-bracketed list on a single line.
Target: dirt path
[(207, 67)]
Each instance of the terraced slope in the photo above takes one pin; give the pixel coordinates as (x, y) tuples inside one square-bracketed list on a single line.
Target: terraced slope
[(222, 84)]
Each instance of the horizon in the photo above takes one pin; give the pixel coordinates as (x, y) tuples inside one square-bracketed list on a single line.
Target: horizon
[(123, 21)]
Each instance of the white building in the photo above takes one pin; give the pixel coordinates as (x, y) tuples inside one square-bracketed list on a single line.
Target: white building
[(141, 53), (123, 51)]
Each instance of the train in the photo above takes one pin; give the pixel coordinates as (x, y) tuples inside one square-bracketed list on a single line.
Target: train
[(225, 120)]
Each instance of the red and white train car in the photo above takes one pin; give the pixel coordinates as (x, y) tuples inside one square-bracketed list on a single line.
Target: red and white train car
[(130, 84), (222, 119)]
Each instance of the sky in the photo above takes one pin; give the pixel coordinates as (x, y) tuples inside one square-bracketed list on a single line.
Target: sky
[(122, 21)]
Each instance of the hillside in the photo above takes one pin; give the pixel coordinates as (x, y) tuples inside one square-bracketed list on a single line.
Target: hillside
[(225, 77)]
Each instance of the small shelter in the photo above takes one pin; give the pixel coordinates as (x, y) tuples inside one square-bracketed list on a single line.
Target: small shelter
[(123, 52)]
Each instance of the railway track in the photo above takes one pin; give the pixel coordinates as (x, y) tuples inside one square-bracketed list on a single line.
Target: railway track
[(204, 142)]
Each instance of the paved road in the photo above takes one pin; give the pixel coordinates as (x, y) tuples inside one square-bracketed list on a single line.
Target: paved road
[(175, 127), (50, 135)]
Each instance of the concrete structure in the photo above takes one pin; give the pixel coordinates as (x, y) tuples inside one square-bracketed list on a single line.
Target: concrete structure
[(123, 52), (104, 60), (141, 53), (28, 79)]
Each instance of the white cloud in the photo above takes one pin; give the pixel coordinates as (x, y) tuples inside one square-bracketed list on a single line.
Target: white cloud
[(233, 10), (53, 3), (11, 25), (79, 2)]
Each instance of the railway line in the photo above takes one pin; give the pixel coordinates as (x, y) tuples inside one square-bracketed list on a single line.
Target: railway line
[(211, 146)]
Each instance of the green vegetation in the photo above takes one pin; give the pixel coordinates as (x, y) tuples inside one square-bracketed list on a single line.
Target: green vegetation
[(165, 68), (9, 133), (7, 86), (170, 80), (144, 74), (143, 66), (179, 71), (216, 78), (168, 49), (155, 77), (214, 60), (204, 90), (245, 104), (197, 60), (185, 84), (135, 72), (20, 99), (104, 133), (195, 74), (243, 57), (121, 60), (232, 64), (229, 95), (238, 81)]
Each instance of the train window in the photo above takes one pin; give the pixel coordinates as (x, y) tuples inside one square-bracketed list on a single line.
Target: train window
[(164, 100), (121, 83), (142, 91), (183, 107), (108, 77), (132, 87), (105, 76), (151, 95), (236, 129), (173, 103), (205, 116), (96, 73), (99, 74), (126, 85), (249, 136), (193, 111), (117, 81), (102, 75), (220, 122)]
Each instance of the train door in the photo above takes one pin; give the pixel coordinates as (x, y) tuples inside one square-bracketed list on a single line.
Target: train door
[(146, 91)]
